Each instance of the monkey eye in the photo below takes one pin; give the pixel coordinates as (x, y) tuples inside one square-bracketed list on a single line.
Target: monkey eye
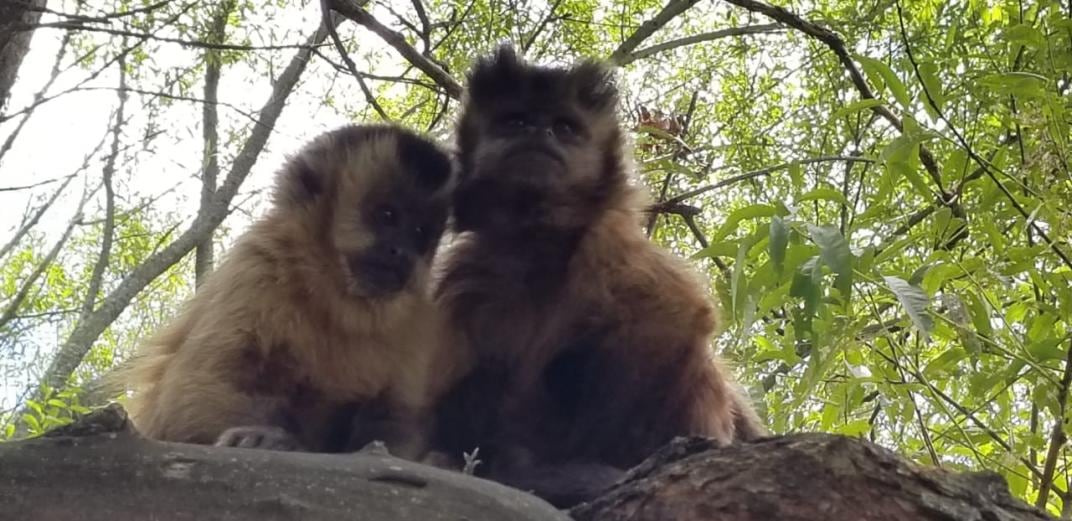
[(564, 128), (387, 216), (515, 120)]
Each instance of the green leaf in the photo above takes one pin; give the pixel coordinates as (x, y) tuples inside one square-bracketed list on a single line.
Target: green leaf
[(854, 428), (901, 157), (914, 301), (738, 272), (1022, 84), (1025, 35), (754, 211), (807, 285), (779, 240), (1047, 349), (928, 73), (718, 249), (857, 106), (835, 253), (826, 193), (896, 86)]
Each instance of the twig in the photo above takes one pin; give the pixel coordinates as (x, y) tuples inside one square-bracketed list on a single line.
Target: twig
[(75, 26), (12, 309), (26, 227), (106, 17), (753, 174), (540, 27), (35, 185), (696, 38), (369, 96), (350, 9)]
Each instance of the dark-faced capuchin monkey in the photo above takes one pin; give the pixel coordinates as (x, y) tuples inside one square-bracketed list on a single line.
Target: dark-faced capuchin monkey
[(318, 314), (583, 347)]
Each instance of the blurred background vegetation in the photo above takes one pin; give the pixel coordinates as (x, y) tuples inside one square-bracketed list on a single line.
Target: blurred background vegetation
[(880, 192)]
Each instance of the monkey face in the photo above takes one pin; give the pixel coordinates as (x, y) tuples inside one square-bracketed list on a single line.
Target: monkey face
[(381, 196), (536, 145)]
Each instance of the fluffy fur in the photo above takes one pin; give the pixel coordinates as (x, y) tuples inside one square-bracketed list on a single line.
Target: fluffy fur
[(294, 331), (579, 340)]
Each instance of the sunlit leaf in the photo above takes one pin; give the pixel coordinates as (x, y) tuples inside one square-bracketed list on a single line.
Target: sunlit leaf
[(835, 253), (779, 239), (914, 301), (896, 86)]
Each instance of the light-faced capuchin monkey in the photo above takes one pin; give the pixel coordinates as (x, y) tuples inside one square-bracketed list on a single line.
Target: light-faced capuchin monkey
[(318, 314), (583, 346)]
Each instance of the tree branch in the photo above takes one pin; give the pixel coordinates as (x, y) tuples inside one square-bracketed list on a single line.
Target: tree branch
[(204, 257), (834, 42), (646, 29), (696, 38), (751, 175), (86, 332), (352, 10), (78, 26), (1057, 435), (108, 173), (12, 309), (350, 65)]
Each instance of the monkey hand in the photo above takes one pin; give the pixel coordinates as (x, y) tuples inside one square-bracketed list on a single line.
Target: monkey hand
[(267, 437)]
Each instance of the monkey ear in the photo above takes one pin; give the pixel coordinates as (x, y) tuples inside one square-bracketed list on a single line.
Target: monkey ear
[(495, 73), (595, 86), (299, 182)]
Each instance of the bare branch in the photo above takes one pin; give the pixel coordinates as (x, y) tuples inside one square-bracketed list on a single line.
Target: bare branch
[(108, 172), (697, 38), (1058, 438), (210, 166), (648, 28), (86, 332), (352, 10), (426, 26)]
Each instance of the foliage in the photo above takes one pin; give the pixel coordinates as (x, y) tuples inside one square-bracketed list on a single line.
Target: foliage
[(892, 266)]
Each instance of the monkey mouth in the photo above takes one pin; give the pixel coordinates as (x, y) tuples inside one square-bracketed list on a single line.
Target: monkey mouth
[(535, 155), (374, 278)]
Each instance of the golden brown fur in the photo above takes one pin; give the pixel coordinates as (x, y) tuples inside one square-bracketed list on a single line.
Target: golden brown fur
[(580, 341), (285, 332)]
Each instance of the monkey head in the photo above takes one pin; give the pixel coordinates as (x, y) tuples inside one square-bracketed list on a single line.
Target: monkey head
[(539, 147), (377, 197)]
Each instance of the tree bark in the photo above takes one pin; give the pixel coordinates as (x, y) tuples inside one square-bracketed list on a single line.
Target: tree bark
[(15, 44), (99, 469), (796, 478)]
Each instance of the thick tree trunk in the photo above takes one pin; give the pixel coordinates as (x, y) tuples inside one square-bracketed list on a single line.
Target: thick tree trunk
[(99, 469), (796, 478), (15, 44)]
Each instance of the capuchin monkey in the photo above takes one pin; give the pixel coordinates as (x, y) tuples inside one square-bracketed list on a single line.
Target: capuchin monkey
[(318, 315), (582, 347)]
